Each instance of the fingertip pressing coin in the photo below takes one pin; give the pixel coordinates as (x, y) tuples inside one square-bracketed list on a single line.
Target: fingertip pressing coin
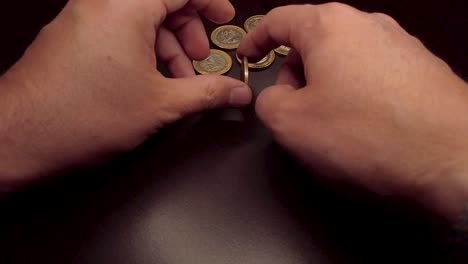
[(252, 22), (218, 62)]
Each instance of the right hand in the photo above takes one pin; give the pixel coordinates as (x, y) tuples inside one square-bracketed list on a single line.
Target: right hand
[(362, 99)]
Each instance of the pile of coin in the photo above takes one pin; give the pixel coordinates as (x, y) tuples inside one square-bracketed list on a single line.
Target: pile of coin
[(228, 37)]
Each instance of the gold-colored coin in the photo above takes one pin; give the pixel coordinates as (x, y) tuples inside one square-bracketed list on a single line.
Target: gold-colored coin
[(219, 62), (252, 22), (245, 70), (263, 63), (228, 37), (283, 50)]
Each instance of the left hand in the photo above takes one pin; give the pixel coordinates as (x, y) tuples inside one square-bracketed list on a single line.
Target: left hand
[(88, 85)]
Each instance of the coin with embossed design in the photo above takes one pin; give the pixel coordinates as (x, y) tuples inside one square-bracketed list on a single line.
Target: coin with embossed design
[(283, 50), (227, 37), (263, 63), (252, 22), (219, 62)]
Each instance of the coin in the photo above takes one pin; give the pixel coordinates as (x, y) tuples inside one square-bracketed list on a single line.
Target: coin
[(245, 70), (252, 22), (263, 63), (227, 37), (219, 62), (283, 50)]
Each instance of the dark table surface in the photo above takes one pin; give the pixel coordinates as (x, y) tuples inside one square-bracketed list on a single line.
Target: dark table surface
[(215, 188)]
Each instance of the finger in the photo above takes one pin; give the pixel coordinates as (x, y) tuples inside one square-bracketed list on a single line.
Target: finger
[(292, 26), (204, 92), (189, 29), (169, 51), (386, 19), (292, 71), (273, 104), (218, 11), (387, 22)]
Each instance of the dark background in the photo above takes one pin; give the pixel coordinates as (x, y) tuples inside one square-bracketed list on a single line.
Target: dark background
[(214, 188)]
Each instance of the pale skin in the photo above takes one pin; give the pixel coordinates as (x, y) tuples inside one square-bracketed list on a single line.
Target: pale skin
[(358, 98), (88, 85)]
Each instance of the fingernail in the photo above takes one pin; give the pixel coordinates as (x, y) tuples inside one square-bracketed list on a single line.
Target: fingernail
[(241, 96)]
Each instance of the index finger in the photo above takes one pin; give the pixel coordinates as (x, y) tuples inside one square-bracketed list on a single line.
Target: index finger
[(291, 25)]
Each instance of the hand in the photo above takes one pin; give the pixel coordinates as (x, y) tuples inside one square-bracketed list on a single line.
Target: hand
[(361, 99), (88, 86)]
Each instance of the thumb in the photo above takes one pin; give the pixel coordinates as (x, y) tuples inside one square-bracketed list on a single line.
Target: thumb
[(204, 92), (274, 105)]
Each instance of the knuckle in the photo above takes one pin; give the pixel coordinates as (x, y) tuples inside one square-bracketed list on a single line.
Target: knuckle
[(288, 10), (300, 14), (334, 17), (444, 64), (417, 41), (386, 18), (277, 11), (337, 8), (307, 18), (210, 94)]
